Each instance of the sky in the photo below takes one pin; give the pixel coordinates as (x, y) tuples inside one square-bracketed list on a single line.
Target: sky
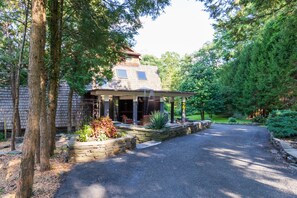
[(183, 28)]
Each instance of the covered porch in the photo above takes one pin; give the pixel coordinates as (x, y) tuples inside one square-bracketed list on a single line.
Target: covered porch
[(132, 106)]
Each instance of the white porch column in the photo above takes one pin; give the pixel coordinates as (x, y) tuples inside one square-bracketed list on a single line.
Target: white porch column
[(106, 105), (135, 110)]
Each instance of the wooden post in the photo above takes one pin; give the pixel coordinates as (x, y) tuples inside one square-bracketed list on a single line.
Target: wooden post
[(161, 104), (5, 130), (106, 105), (183, 106), (135, 105), (172, 109)]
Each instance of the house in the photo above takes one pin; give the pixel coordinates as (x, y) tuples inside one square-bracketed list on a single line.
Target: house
[(134, 92)]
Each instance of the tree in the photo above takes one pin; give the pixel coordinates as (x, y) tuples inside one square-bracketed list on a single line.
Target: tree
[(14, 22), (36, 61), (200, 77)]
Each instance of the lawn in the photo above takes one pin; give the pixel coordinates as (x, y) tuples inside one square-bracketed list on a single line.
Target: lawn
[(216, 118)]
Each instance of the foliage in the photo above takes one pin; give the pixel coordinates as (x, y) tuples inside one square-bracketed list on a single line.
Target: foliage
[(158, 120), (263, 76), (2, 136), (199, 75), (232, 120), (259, 119), (282, 123), (84, 133), (103, 125)]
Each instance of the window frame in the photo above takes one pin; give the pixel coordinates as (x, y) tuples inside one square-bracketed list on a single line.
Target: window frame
[(139, 73), (120, 76)]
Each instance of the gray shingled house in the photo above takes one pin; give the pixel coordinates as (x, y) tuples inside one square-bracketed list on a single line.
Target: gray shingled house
[(133, 93)]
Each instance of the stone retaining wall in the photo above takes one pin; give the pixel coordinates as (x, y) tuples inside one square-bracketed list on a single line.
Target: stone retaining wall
[(287, 152), (89, 151), (144, 135)]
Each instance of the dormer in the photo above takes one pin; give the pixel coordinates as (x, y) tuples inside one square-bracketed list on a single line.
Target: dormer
[(132, 58)]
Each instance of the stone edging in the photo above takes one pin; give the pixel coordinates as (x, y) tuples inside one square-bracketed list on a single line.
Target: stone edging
[(287, 152), (89, 151), (144, 135)]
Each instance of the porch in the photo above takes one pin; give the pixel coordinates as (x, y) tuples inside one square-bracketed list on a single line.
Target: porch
[(133, 106)]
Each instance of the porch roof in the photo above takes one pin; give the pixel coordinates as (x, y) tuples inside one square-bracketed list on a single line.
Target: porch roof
[(140, 92)]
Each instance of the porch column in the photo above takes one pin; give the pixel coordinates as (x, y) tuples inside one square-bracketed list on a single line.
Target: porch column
[(172, 109), (183, 106), (106, 105), (161, 104), (135, 105), (99, 106)]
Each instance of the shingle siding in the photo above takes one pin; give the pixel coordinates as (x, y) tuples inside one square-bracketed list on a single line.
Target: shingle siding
[(6, 109)]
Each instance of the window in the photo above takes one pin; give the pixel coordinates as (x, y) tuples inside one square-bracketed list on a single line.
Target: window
[(141, 75), (122, 73)]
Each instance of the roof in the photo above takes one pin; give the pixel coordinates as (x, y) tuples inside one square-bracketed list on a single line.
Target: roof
[(143, 92), (132, 82)]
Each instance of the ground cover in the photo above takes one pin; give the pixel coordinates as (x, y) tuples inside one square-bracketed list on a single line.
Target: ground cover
[(45, 183)]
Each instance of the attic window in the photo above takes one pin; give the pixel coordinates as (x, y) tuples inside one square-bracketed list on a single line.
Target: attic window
[(122, 73), (141, 75)]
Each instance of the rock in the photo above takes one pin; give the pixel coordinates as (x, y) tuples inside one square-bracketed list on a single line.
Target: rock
[(15, 152)]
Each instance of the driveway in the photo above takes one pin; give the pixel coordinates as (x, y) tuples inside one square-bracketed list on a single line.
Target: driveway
[(223, 161)]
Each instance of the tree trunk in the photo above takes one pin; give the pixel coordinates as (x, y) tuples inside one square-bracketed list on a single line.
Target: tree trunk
[(36, 61), (69, 111), (55, 27), (202, 115), (44, 132), (15, 86)]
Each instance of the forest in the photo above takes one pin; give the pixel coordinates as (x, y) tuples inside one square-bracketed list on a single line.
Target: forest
[(249, 69)]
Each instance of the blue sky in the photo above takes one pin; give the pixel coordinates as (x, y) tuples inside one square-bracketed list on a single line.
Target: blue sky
[(183, 28)]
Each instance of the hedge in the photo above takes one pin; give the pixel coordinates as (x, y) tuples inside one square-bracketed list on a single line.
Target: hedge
[(282, 123)]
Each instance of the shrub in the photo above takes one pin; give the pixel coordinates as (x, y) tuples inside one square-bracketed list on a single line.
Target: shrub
[(259, 119), (2, 137), (158, 120), (103, 125), (84, 133), (232, 120), (282, 123)]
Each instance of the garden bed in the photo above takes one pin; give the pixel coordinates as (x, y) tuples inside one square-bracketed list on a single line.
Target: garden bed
[(89, 151), (170, 131)]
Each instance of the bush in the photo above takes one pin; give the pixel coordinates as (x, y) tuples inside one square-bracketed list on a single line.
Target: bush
[(282, 123), (103, 125), (2, 137), (158, 120), (259, 119), (84, 133), (232, 120)]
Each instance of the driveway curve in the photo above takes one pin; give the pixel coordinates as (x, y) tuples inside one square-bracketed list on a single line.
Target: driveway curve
[(223, 161)]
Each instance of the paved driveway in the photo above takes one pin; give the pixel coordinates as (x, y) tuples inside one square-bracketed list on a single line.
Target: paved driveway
[(224, 161)]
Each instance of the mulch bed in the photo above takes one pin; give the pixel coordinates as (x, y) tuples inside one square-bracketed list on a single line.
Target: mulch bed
[(45, 183)]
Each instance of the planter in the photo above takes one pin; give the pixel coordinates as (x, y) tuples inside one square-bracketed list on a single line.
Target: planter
[(96, 150)]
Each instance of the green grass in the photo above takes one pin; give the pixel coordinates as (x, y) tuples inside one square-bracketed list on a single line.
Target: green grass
[(216, 119)]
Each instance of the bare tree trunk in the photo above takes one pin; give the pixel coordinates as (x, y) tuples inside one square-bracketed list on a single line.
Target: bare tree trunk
[(69, 110), (44, 131), (36, 61), (55, 27), (15, 86)]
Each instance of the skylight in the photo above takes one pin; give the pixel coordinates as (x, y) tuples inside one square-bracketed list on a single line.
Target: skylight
[(141, 75), (122, 73)]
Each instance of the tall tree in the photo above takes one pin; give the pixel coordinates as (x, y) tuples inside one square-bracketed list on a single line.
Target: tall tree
[(36, 62), (55, 30), (200, 77)]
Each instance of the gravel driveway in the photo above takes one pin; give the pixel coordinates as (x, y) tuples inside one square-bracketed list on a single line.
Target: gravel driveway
[(223, 161)]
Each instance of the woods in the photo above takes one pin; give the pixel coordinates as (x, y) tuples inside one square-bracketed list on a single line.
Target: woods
[(248, 69)]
